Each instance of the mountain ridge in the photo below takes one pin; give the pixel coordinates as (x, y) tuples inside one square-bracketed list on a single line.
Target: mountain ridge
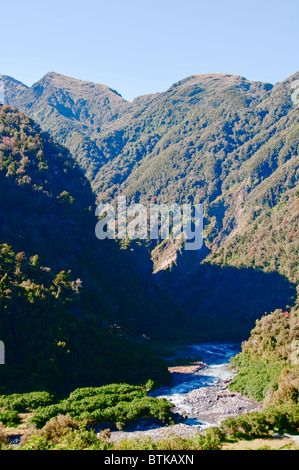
[(70, 305), (174, 129), (217, 139)]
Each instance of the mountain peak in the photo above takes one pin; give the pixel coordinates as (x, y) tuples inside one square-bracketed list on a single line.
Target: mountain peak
[(14, 89), (75, 84)]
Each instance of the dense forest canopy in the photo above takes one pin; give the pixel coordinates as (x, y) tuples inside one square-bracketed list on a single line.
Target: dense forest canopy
[(70, 306), (217, 139)]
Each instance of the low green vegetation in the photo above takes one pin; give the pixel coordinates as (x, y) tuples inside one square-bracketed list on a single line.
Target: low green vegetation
[(281, 419), (256, 378), (113, 403), (64, 433), (21, 402), (71, 423), (268, 366), (268, 372)]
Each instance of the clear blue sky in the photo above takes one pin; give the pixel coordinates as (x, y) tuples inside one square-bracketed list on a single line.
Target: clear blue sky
[(139, 47)]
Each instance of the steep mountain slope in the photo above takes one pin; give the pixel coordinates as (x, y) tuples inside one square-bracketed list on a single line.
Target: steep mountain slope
[(207, 137), (73, 308), (168, 133), (184, 135), (268, 364), (14, 90), (218, 139), (72, 110)]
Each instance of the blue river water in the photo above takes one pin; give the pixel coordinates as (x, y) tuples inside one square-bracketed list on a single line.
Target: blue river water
[(216, 357)]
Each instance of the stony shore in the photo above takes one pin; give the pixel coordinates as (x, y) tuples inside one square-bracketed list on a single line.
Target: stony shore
[(214, 404), (209, 405)]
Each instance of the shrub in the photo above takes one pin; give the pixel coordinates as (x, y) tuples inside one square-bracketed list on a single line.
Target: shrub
[(3, 436), (57, 427), (288, 388), (42, 415), (115, 403), (25, 401), (10, 418), (284, 418), (209, 440), (36, 442), (256, 378)]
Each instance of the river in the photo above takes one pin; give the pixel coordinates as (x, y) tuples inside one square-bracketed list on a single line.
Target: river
[(199, 394), (202, 395)]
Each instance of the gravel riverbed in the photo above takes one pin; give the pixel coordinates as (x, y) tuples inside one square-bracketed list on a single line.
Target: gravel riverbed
[(199, 393)]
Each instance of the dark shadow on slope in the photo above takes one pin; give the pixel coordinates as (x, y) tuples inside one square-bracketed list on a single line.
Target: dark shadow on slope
[(118, 287), (223, 303), (102, 325)]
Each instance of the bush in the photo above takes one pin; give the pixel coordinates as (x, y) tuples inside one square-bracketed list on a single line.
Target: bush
[(255, 378), (288, 388), (283, 418), (36, 442), (280, 419), (10, 418), (42, 415), (115, 403), (25, 401), (3, 436), (249, 425), (57, 427), (209, 440)]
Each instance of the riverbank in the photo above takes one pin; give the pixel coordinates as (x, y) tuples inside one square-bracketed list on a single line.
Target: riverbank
[(199, 393), (209, 406)]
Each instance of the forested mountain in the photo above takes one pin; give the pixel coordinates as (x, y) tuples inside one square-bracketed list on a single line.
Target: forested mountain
[(72, 110), (218, 139), (73, 310), (76, 311)]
